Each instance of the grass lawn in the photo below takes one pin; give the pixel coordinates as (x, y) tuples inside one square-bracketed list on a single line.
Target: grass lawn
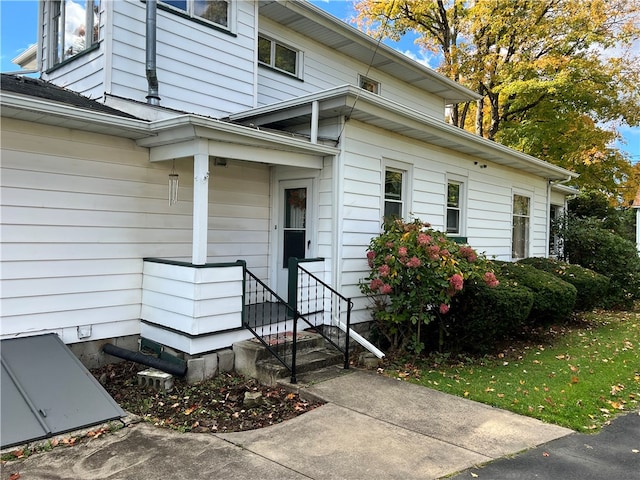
[(578, 375)]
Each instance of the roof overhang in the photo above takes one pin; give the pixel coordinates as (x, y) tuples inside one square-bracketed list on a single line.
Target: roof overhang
[(311, 21), (183, 136), (176, 137), (38, 110), (372, 109)]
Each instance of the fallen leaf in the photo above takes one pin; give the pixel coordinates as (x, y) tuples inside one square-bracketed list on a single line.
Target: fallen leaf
[(546, 454), (14, 476), (291, 396), (560, 357), (474, 475), (574, 380), (635, 450), (190, 410)]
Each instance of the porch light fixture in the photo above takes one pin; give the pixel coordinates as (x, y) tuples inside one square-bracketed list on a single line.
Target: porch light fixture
[(173, 185)]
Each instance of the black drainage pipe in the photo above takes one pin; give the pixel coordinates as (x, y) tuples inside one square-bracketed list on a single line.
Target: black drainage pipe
[(148, 360)]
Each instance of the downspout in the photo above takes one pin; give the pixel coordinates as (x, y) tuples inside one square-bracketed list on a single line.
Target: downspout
[(152, 77)]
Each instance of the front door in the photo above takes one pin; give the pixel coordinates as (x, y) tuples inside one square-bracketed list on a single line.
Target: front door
[(294, 229)]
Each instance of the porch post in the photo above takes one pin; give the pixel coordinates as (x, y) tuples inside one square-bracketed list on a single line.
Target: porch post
[(200, 203)]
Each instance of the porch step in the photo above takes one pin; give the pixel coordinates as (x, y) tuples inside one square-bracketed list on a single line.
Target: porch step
[(254, 360)]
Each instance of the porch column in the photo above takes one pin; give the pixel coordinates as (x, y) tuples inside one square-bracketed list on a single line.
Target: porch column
[(200, 203)]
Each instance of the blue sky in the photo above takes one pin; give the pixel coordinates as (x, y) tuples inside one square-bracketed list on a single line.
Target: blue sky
[(18, 30)]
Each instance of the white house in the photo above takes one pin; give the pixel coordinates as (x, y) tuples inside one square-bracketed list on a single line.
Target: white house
[(291, 133)]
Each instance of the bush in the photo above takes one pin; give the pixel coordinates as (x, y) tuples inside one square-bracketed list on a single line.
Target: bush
[(415, 271), (587, 244), (553, 298), (480, 316), (592, 287)]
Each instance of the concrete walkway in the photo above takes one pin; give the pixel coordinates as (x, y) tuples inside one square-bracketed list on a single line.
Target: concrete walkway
[(372, 427)]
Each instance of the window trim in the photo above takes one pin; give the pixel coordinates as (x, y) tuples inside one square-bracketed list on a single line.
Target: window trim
[(462, 207), (529, 236), (271, 65), (52, 32), (554, 241), (364, 78), (231, 15), (407, 177)]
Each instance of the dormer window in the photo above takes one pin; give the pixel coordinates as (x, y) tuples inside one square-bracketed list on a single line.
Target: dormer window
[(276, 55), (74, 28), (214, 11), (368, 84)]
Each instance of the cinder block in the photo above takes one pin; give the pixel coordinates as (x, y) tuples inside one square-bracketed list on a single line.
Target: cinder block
[(155, 379), (210, 365), (226, 359), (195, 370)]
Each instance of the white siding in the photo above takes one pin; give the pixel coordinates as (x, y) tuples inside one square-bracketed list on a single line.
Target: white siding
[(80, 211), (488, 206), (324, 68), (200, 69)]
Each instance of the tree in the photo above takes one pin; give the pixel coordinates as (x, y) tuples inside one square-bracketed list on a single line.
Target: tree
[(547, 87)]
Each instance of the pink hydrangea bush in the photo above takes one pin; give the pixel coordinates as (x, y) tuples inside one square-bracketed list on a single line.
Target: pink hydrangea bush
[(414, 273)]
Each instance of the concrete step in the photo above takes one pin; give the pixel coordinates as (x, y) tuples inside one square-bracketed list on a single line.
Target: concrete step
[(270, 370), (254, 360)]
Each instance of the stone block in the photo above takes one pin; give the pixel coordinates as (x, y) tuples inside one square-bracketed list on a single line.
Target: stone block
[(155, 379), (226, 359), (195, 370), (252, 399), (210, 365)]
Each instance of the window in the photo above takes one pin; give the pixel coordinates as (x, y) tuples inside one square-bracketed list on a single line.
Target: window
[(278, 56), (369, 85), (393, 194), (555, 212), (73, 27), (454, 207), (521, 222), (214, 11)]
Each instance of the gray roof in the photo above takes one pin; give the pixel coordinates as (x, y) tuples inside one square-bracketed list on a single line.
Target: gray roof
[(34, 87)]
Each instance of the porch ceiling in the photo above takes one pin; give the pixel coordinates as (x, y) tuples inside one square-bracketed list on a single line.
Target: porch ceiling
[(188, 135), (374, 110)]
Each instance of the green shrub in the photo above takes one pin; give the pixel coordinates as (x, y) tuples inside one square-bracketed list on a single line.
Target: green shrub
[(598, 249), (553, 298), (592, 287), (480, 316)]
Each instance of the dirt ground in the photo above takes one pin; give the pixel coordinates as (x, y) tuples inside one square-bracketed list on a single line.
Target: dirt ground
[(216, 405)]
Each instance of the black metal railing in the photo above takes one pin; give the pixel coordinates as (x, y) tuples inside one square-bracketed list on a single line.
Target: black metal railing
[(320, 306), (271, 320)]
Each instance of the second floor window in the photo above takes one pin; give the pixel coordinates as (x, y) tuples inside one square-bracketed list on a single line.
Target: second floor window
[(74, 27), (277, 55), (369, 85), (214, 11)]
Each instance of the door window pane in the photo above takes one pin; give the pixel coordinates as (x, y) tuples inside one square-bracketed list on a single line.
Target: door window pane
[(295, 223)]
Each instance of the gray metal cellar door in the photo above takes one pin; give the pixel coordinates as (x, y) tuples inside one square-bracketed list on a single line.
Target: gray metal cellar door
[(46, 391)]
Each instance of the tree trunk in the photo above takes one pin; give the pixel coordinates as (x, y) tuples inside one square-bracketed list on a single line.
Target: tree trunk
[(480, 117)]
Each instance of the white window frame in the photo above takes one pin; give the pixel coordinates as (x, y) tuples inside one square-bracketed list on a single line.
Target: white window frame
[(405, 194), (363, 80), (527, 232), (75, 37), (272, 56), (461, 208), (555, 242), (190, 12)]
